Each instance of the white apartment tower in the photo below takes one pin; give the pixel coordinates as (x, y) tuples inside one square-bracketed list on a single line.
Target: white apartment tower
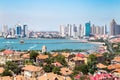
[(62, 31)]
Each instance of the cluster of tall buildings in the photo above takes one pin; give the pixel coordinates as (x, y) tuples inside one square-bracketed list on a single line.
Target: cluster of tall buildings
[(73, 31), (17, 31)]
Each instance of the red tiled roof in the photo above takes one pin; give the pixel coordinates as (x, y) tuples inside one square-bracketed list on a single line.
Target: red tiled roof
[(80, 55), (8, 52), (101, 77)]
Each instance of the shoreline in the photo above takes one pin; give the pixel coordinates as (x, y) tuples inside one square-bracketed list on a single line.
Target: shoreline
[(96, 43)]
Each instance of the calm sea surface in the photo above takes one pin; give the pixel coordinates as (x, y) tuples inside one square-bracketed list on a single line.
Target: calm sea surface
[(36, 44)]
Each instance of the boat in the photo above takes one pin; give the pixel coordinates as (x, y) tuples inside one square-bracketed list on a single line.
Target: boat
[(21, 41)]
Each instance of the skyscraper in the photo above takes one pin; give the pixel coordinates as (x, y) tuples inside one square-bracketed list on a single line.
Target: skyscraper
[(18, 30), (4, 30), (12, 31), (80, 31), (114, 28), (25, 30), (104, 30), (75, 31), (87, 29), (62, 31), (69, 30)]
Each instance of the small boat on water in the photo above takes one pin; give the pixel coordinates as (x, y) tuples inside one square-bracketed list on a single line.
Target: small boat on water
[(21, 41)]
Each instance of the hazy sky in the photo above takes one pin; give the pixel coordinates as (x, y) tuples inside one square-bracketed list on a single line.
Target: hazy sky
[(49, 14)]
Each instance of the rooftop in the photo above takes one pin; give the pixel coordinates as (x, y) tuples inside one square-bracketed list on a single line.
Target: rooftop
[(32, 68), (26, 56), (41, 56), (65, 71), (8, 52), (100, 65)]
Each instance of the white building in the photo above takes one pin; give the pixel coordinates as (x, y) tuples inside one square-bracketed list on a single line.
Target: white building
[(4, 30), (62, 31), (31, 71)]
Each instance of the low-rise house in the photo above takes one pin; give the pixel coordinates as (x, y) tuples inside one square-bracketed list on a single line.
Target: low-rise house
[(1, 70), (83, 56), (52, 76), (41, 58), (26, 56), (6, 78), (101, 66), (19, 77), (10, 55), (100, 57), (113, 66), (103, 76), (116, 60), (55, 54), (77, 61), (67, 56), (66, 71), (30, 71), (116, 72)]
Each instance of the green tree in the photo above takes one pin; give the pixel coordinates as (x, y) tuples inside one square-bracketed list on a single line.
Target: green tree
[(28, 62), (108, 57), (92, 58), (82, 68), (56, 70), (6, 73), (60, 58), (33, 55), (48, 68), (13, 67), (91, 65)]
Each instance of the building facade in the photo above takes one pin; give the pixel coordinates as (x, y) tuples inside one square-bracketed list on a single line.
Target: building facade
[(87, 29)]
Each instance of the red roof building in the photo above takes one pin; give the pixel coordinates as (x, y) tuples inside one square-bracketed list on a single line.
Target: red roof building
[(6, 52), (80, 55)]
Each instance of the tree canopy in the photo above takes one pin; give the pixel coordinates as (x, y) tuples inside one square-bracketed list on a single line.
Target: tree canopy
[(33, 55)]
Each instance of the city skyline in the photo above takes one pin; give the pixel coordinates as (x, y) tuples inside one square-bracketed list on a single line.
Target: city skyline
[(48, 15)]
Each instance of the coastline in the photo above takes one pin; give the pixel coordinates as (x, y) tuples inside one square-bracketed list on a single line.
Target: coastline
[(96, 43)]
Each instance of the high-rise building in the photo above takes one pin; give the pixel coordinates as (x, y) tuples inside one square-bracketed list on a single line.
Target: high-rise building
[(114, 28), (75, 31), (104, 30), (93, 29), (80, 31), (18, 30), (69, 30), (62, 31), (117, 30), (25, 30), (11, 31), (4, 30), (87, 29)]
